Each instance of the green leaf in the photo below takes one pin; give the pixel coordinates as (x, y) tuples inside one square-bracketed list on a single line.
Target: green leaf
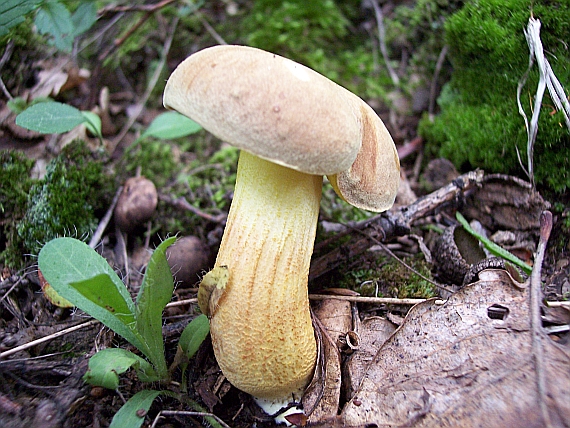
[(17, 105), (84, 17), (71, 267), (103, 292), (12, 13), (54, 19), (194, 334), (492, 247), (50, 118), (92, 123), (170, 125), (106, 366), (154, 294), (131, 415)]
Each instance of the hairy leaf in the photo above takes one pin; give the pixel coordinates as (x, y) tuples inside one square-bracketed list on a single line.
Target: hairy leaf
[(194, 334), (155, 292), (132, 414), (72, 268), (106, 366)]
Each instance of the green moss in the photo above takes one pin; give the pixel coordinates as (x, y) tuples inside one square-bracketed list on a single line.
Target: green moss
[(479, 124), (16, 183), (401, 282), (323, 35), (391, 279), (296, 29), (65, 202), (157, 161)]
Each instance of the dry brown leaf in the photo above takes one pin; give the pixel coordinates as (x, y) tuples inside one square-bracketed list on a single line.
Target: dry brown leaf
[(453, 365), (373, 332), (321, 400), (57, 76)]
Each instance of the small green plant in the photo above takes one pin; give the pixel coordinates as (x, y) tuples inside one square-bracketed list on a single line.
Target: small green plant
[(80, 275), (492, 247), (52, 19), (50, 117)]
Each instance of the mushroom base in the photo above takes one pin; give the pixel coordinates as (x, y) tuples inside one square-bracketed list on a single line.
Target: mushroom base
[(260, 321)]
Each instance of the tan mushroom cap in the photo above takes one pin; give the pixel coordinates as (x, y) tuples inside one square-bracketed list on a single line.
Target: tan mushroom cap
[(291, 115)]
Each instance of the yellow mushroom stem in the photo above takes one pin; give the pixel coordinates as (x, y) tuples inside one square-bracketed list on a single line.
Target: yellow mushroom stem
[(260, 322)]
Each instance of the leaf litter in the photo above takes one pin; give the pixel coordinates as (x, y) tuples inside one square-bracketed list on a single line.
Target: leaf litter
[(457, 365)]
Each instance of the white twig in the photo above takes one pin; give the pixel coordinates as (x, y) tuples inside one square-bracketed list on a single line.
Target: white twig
[(538, 334), (46, 338), (105, 220), (382, 41), (547, 79)]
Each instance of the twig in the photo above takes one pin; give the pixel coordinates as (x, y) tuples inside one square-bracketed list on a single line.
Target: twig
[(536, 324), (433, 86), (163, 413), (181, 202), (105, 220), (47, 338), (558, 304), (10, 289), (396, 223), (5, 57), (382, 41), (372, 300), (211, 30), (151, 84), (149, 8)]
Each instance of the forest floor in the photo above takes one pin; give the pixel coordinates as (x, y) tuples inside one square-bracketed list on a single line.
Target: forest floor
[(498, 337)]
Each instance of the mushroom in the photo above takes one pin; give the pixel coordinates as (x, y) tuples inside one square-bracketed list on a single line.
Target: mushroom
[(293, 126)]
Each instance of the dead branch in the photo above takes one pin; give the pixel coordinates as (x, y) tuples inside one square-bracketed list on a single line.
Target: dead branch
[(396, 223)]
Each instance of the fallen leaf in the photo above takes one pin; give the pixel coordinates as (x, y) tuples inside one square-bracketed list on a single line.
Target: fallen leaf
[(373, 332), (322, 397), (454, 365)]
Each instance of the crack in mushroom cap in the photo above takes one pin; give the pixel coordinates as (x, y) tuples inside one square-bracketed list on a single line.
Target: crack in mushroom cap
[(291, 115)]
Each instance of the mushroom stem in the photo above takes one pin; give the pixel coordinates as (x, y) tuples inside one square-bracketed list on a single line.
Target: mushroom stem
[(260, 321)]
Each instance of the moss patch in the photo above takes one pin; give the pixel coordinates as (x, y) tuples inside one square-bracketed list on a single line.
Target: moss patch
[(479, 124)]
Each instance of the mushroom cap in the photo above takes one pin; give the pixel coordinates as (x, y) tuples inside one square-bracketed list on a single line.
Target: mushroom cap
[(291, 115)]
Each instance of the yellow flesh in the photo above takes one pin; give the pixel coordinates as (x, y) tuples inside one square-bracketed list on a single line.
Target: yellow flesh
[(260, 322)]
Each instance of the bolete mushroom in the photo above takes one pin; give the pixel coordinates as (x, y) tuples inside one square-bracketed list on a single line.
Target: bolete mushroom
[(293, 126)]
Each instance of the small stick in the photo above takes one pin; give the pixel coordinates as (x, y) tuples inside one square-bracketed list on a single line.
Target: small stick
[(152, 83), (47, 338), (163, 413), (396, 223), (105, 220), (375, 300), (181, 202), (535, 320), (382, 41)]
